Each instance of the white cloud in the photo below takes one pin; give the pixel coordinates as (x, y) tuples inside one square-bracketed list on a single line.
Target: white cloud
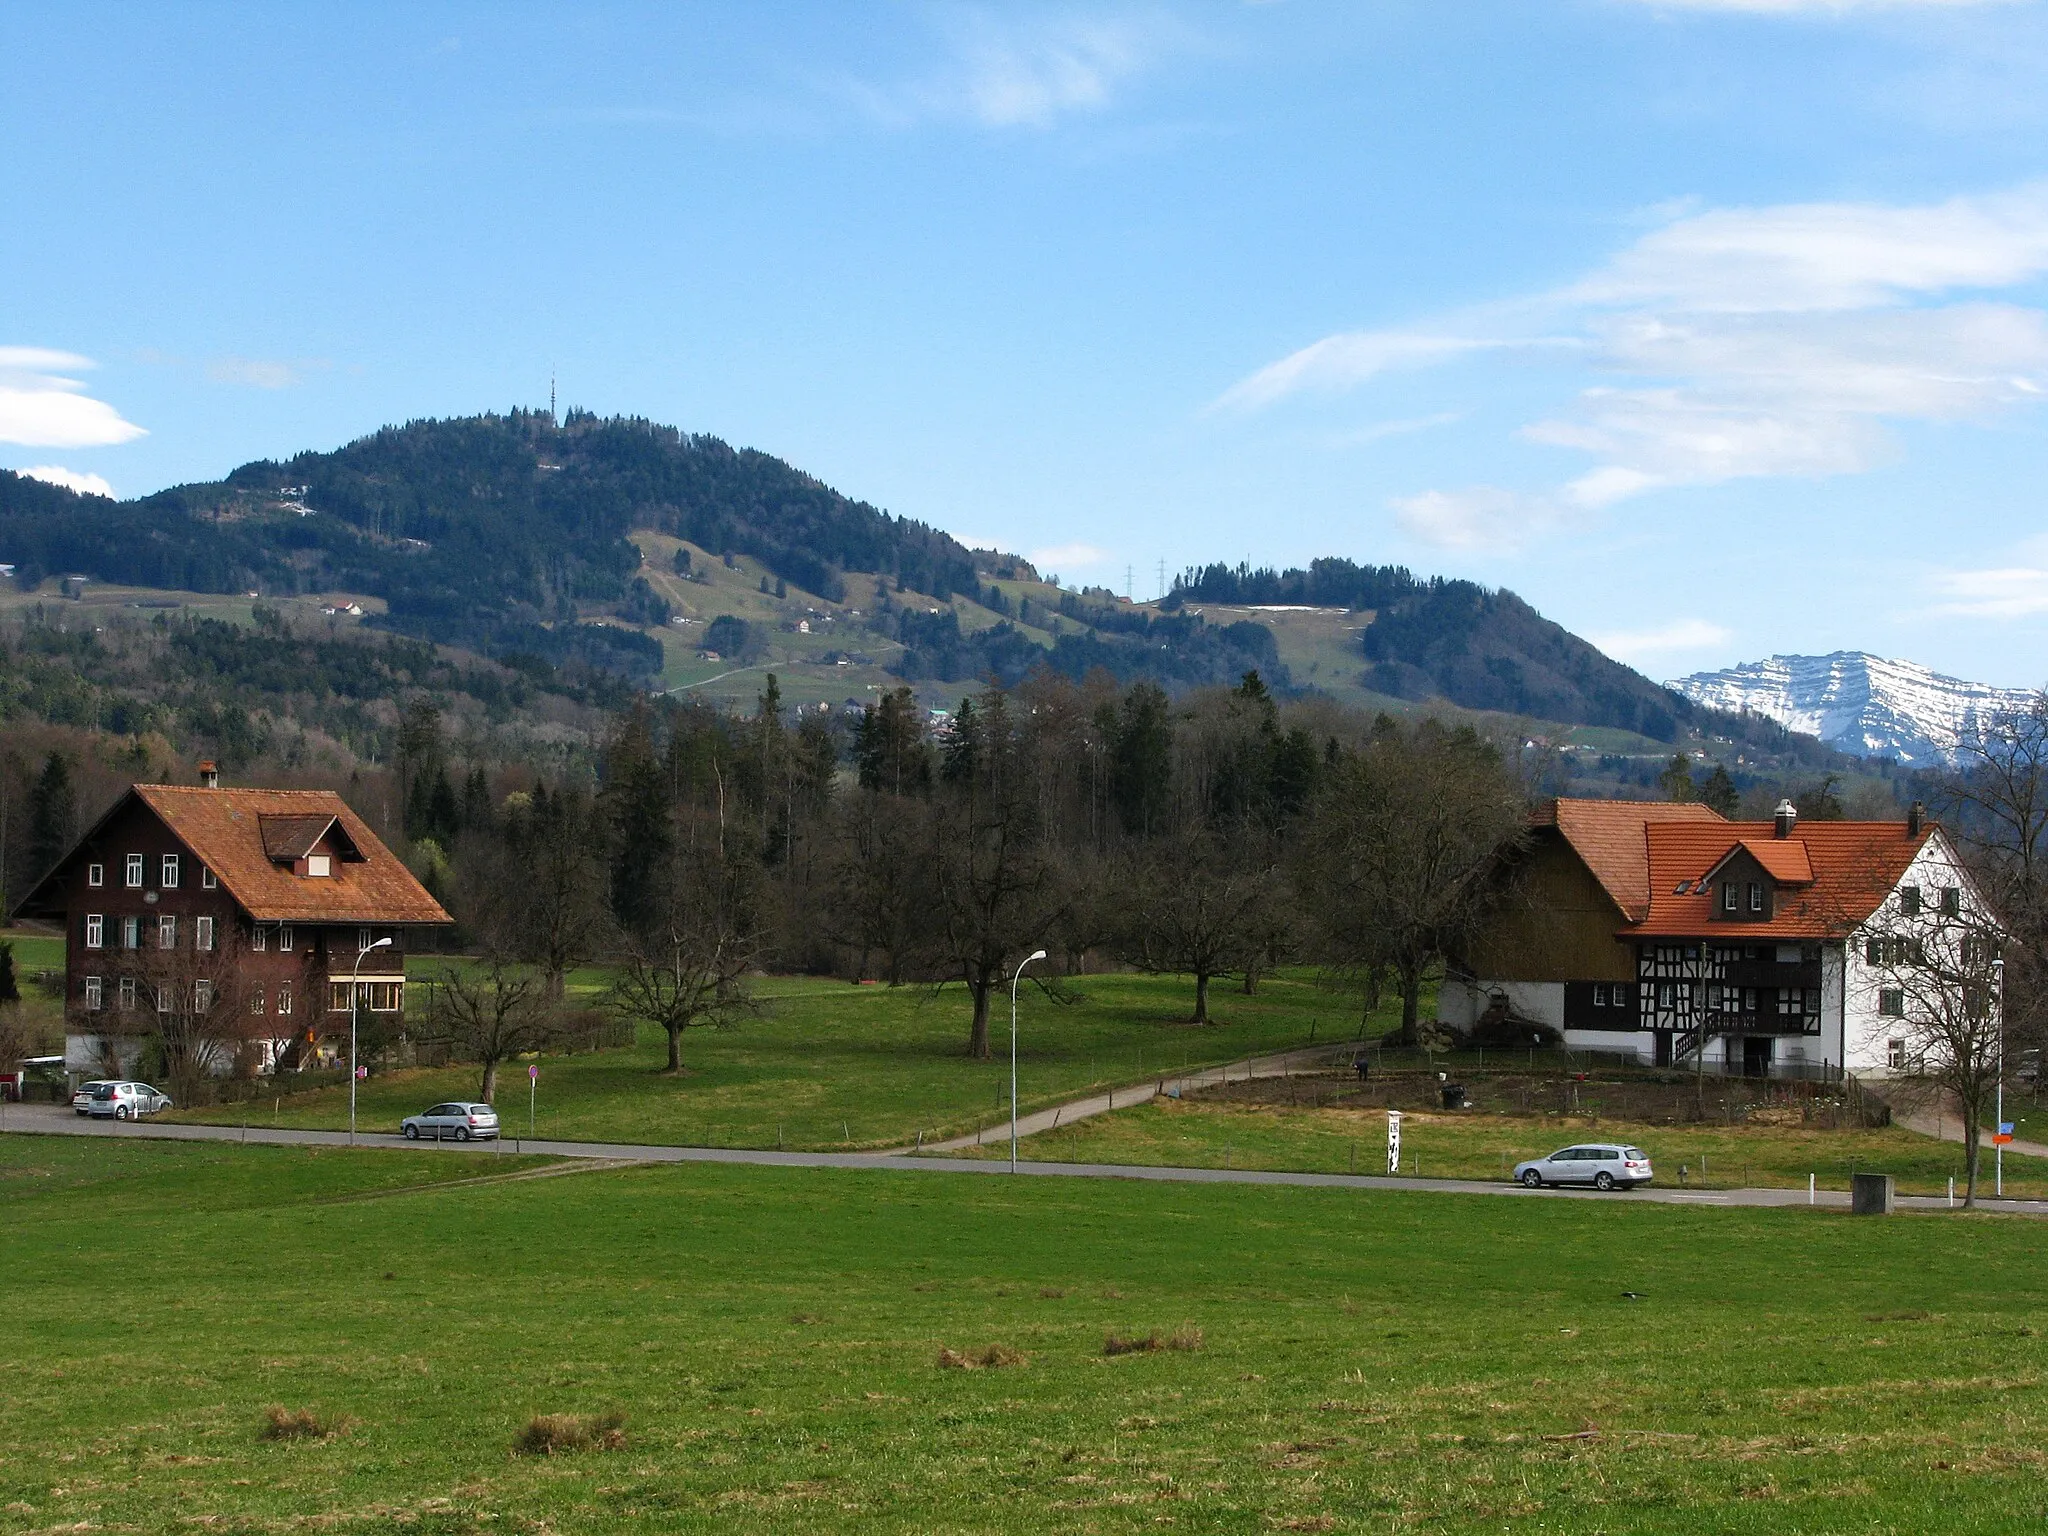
[(1482, 518), (1679, 635), (71, 479), (41, 406), (1745, 342), (1058, 557), (262, 373), (1373, 432)]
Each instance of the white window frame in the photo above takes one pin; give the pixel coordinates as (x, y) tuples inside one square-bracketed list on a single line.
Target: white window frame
[(1895, 1055), (202, 996), (318, 866), (95, 875), (168, 874), (95, 994), (167, 930), (131, 933), (256, 999), (284, 997), (207, 880), (259, 938), (131, 872), (202, 933), (284, 938), (125, 994), (95, 930)]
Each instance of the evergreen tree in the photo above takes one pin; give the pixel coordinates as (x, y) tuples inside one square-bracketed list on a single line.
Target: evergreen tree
[(52, 816), (1141, 759), (1676, 779), (1719, 793), (10, 988)]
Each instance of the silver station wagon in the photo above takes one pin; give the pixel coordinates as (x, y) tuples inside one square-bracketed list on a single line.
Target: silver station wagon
[(1602, 1164), (454, 1121)]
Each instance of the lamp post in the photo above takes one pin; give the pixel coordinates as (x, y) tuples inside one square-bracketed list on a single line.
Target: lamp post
[(1036, 954), (355, 1007), (1998, 1114)]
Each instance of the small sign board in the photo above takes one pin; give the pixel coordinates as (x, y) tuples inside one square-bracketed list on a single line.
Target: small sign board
[(533, 1074), (1393, 1141), (2004, 1133)]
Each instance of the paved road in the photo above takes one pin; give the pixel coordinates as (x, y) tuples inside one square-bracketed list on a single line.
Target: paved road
[(59, 1120)]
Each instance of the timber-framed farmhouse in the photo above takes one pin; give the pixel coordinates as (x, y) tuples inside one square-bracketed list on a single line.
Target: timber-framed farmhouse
[(1666, 933)]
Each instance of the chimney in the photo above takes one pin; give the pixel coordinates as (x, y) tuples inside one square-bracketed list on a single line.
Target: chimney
[(209, 774), (1786, 818), (1916, 814)]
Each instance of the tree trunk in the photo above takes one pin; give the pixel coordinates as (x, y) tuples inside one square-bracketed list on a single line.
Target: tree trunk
[(977, 1042), (1411, 999), (489, 1092), (675, 1051), (1972, 1131), (1251, 979), (1201, 997)]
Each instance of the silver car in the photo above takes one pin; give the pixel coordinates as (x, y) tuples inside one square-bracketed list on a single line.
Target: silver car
[(454, 1121), (1602, 1164), (125, 1101), (82, 1100)]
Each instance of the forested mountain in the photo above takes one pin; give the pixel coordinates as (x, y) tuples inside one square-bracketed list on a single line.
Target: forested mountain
[(1473, 646)]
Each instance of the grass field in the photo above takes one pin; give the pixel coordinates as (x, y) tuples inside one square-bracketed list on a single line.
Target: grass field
[(772, 1337), (831, 1065), (1193, 1133)]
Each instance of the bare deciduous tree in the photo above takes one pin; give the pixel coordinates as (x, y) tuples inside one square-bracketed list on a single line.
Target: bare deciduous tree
[(494, 1011), (1197, 904), (688, 969)]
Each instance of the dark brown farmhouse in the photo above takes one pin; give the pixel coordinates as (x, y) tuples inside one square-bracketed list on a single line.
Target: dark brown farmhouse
[(226, 924)]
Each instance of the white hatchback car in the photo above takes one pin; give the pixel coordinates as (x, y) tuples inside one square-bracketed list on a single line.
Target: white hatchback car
[(1604, 1165), (453, 1121), (125, 1101)]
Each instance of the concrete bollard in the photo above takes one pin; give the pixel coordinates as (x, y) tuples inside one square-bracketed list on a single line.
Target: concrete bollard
[(1870, 1194)]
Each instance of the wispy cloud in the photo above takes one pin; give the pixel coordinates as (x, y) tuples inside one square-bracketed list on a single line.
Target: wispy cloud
[(1067, 556), (2002, 592), (1377, 431), (42, 406), (264, 373), (1008, 70), (1776, 341), (1680, 635), (70, 479)]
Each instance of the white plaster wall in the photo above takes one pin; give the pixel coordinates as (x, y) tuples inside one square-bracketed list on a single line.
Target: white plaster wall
[(1864, 1029), (1640, 1043), (83, 1055)]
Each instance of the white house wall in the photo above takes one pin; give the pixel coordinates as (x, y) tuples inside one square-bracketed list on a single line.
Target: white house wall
[(1866, 1030)]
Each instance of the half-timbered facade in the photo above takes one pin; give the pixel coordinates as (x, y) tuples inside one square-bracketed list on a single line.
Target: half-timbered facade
[(233, 922), (1664, 932)]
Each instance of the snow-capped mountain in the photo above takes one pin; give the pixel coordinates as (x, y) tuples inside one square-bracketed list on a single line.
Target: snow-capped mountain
[(1858, 702)]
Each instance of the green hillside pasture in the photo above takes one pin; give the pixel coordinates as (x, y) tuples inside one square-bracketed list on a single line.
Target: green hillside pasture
[(832, 1066), (33, 951), (1200, 1134), (772, 1337)]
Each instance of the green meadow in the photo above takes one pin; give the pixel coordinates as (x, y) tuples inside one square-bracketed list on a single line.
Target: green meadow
[(760, 1350), (829, 1066)]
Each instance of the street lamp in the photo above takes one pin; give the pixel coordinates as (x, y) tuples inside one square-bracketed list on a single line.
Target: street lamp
[(1036, 954), (1998, 1115), (355, 1007)]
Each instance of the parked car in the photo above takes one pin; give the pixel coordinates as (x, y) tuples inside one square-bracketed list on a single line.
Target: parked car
[(82, 1100), (1604, 1165), (453, 1121), (125, 1101)]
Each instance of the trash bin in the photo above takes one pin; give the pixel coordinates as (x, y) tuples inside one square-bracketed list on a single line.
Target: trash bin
[(1454, 1095)]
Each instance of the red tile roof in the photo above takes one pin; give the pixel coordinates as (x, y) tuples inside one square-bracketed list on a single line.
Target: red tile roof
[(1846, 869), (227, 831), (1610, 836)]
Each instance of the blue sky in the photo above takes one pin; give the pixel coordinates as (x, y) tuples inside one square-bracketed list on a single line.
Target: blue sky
[(1713, 328)]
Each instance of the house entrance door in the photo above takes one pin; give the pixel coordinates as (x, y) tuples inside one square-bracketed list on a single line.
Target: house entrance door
[(1756, 1055), (1663, 1047)]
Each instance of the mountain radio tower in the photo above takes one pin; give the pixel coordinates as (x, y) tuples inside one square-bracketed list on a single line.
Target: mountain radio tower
[(553, 419)]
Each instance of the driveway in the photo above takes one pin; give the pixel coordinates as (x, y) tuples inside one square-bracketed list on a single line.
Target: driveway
[(60, 1120)]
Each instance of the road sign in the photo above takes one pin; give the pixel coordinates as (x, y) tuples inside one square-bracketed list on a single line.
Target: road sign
[(362, 1073), (1393, 1141), (533, 1074), (2004, 1133)]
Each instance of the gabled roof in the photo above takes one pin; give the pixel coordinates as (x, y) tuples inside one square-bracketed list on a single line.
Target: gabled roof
[(1610, 837), (1849, 867), (1784, 859), (247, 838)]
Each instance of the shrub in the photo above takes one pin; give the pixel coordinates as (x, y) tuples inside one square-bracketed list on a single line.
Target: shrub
[(980, 1359), (550, 1434), (281, 1423)]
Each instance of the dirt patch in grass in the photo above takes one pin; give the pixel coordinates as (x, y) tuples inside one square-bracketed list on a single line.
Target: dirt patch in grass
[(1186, 1338), (989, 1358), (281, 1423)]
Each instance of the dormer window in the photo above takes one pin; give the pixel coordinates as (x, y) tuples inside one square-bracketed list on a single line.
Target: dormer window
[(1728, 896), (1756, 896), (316, 866)]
